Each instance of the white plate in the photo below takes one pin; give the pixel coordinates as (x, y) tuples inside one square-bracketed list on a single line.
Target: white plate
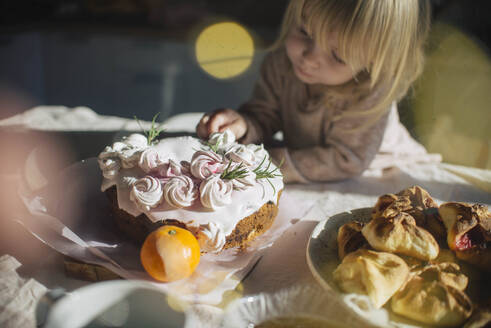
[(322, 259), (322, 247)]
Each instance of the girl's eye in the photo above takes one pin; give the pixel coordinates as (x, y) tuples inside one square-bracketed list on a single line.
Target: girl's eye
[(336, 58), (303, 32)]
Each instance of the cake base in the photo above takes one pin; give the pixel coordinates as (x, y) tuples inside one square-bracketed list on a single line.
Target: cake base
[(138, 228), (87, 271)]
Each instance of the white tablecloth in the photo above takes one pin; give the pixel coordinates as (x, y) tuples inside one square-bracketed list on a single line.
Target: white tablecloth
[(284, 264)]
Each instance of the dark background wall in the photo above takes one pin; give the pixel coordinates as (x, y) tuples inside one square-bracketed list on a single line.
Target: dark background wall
[(127, 57)]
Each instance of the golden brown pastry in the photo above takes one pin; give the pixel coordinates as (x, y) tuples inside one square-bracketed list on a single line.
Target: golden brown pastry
[(435, 226), (447, 273), (468, 232), (432, 302), (421, 203), (445, 255), (389, 205), (350, 238), (400, 234), (418, 203), (412, 263), (376, 274), (415, 201)]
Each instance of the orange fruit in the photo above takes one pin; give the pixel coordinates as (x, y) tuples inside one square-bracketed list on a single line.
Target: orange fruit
[(170, 253)]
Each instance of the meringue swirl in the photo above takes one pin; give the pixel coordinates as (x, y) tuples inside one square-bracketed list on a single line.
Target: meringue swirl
[(146, 193), (150, 159), (129, 157), (259, 152), (241, 154), (169, 170), (109, 167), (246, 182), (128, 182), (223, 140), (206, 163), (179, 191), (136, 140), (215, 192), (211, 238), (126, 153)]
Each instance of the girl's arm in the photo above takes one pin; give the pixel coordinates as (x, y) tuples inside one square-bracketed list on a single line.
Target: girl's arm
[(259, 118), (343, 154), (262, 111)]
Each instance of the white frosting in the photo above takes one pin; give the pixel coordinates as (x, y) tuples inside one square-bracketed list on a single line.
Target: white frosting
[(180, 192), (211, 237), (140, 191), (215, 192), (146, 193)]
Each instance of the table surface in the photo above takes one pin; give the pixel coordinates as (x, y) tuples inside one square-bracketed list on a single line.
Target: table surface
[(283, 264)]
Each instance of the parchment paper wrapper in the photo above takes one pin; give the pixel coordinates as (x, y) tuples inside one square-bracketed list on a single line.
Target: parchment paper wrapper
[(19, 295), (72, 216)]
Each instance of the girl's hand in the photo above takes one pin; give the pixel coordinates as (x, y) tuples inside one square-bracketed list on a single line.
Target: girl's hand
[(219, 121)]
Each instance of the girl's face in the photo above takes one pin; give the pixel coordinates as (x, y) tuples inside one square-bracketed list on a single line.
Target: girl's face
[(313, 65)]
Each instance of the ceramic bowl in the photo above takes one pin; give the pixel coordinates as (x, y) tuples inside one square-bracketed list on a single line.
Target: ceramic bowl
[(306, 301), (117, 303)]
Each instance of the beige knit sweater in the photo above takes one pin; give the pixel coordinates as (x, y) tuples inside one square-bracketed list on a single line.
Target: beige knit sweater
[(318, 144)]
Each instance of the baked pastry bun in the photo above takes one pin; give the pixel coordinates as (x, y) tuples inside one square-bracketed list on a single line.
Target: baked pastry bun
[(432, 302), (418, 203), (447, 273), (350, 238), (400, 234), (421, 203), (412, 262), (468, 232), (389, 205), (415, 201), (445, 255), (376, 274)]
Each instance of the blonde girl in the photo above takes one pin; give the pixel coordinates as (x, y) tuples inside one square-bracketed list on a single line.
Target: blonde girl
[(330, 85)]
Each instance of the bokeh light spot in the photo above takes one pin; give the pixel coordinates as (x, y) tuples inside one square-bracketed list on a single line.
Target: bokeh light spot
[(451, 107), (224, 50)]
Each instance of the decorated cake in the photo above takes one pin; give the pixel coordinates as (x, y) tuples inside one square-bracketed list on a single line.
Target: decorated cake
[(225, 193)]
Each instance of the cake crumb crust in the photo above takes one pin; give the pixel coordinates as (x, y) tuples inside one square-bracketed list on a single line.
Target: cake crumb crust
[(137, 228)]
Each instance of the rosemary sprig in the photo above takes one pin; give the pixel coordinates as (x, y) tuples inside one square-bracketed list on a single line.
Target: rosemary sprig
[(214, 147), (266, 173), (238, 172), (154, 131)]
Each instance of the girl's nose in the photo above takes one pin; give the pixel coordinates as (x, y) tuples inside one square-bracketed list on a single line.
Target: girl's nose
[(310, 57)]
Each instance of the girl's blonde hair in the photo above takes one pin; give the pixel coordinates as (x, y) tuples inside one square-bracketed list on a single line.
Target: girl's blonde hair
[(385, 37)]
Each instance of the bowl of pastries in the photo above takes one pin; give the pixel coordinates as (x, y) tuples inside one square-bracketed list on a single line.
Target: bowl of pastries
[(427, 265)]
